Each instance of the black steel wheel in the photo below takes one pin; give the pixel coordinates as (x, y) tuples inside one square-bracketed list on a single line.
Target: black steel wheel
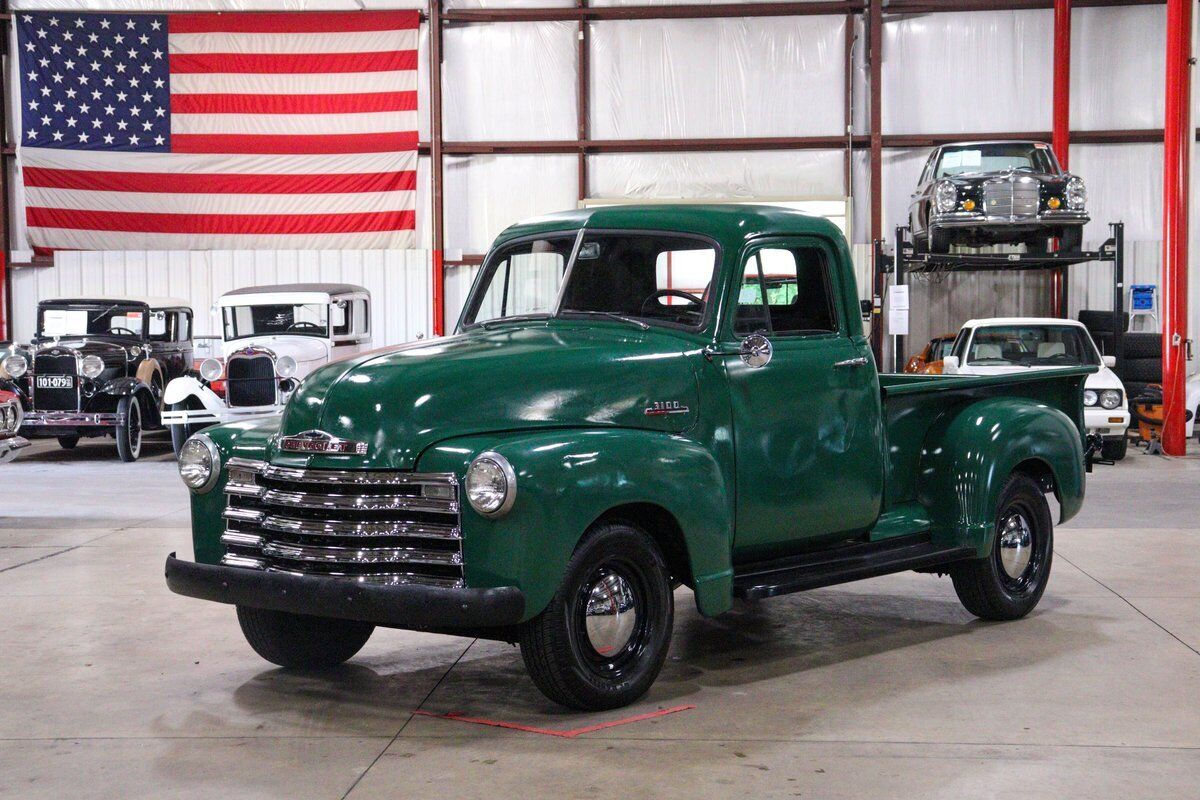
[(1008, 583), (129, 428), (68, 442), (182, 432), (602, 640), (298, 641)]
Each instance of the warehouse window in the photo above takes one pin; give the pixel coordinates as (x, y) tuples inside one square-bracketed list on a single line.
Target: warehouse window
[(785, 291)]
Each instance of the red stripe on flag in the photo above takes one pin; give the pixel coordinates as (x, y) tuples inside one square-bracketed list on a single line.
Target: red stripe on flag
[(365, 102), (261, 224), (285, 143), (290, 22), (207, 183), (293, 63)]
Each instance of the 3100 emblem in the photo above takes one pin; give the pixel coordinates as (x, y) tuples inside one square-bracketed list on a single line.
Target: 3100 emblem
[(661, 408)]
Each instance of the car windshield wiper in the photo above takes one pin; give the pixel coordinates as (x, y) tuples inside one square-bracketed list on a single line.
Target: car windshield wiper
[(488, 324), (612, 315)]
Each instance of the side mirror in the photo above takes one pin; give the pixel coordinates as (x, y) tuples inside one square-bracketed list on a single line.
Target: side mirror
[(1109, 361), (756, 350), (950, 365)]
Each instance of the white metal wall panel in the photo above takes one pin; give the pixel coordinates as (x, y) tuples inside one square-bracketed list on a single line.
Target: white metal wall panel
[(399, 282)]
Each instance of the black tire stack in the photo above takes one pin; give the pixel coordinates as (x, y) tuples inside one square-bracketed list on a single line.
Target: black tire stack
[(1141, 363)]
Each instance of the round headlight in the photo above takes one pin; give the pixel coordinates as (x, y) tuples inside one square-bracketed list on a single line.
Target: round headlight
[(1110, 398), (945, 196), (1076, 194), (199, 463), (1090, 397), (285, 367), (211, 369), (91, 366), (491, 484), (15, 365)]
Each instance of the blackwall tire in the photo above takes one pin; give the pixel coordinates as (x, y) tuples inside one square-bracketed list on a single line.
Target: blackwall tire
[(1115, 449), (603, 638), (1008, 583), (68, 442), (129, 428), (297, 641), (182, 432)]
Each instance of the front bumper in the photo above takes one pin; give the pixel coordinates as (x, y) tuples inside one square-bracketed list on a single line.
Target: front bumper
[(1100, 420), (9, 447), (206, 416), (69, 419), (978, 219), (415, 607)]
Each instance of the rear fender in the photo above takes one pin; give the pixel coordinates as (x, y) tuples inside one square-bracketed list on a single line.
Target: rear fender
[(568, 479), (968, 456)]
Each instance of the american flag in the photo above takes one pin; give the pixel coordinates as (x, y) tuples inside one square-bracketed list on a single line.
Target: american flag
[(219, 131)]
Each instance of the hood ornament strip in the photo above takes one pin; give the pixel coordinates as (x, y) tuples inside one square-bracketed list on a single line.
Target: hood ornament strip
[(315, 441)]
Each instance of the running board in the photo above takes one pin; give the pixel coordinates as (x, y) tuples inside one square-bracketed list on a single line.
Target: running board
[(841, 565)]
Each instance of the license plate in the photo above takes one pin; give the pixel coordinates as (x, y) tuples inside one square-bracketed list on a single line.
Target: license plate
[(55, 382)]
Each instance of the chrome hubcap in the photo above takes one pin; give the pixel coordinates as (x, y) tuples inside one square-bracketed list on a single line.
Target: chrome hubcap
[(1016, 545), (611, 614)]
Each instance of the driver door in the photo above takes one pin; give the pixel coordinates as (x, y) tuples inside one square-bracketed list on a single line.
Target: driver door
[(807, 424)]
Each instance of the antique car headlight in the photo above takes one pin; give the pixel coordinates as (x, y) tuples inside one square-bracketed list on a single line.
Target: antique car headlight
[(491, 484), (1090, 397), (91, 366), (199, 463), (1076, 194), (285, 367), (1110, 398), (945, 196), (16, 365), (211, 369)]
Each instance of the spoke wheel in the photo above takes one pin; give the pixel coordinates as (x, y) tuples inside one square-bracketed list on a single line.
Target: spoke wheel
[(129, 428)]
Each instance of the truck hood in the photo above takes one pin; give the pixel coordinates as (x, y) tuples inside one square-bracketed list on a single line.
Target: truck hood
[(555, 373), (309, 351)]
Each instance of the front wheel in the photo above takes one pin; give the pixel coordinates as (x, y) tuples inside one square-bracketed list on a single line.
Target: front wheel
[(1008, 582), (68, 442), (181, 432), (298, 641), (129, 428), (602, 640), (1115, 449)]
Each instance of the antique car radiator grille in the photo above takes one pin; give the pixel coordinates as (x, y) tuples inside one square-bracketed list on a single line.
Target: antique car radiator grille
[(65, 399), (378, 527), (250, 381), (1015, 198)]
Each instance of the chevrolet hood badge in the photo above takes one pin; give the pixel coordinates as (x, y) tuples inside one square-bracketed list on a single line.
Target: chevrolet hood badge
[(320, 442)]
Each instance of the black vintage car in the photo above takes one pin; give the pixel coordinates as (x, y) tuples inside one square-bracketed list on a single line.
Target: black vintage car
[(97, 367), (982, 193)]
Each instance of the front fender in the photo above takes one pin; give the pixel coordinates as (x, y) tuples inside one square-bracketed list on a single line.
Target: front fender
[(566, 480), (968, 456), (122, 387), (181, 388)]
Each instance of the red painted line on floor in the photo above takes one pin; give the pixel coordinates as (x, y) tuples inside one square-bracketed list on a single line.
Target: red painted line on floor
[(514, 726)]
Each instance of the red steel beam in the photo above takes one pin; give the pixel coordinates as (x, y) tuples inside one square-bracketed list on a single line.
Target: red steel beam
[(1060, 131), (682, 11), (435, 159), (1177, 136)]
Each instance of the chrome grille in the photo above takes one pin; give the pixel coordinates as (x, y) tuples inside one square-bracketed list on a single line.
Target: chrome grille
[(1015, 197), (377, 527), (58, 363), (250, 380)]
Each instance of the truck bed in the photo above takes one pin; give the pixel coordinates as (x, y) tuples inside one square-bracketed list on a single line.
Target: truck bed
[(912, 404)]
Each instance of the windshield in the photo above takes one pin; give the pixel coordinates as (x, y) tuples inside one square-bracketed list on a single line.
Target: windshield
[(308, 319), (94, 320), (1032, 346), (997, 157), (645, 278)]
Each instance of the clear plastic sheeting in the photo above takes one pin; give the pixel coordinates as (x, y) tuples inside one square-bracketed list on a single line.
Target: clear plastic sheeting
[(765, 76), (1124, 184), (967, 72), (793, 174), (486, 194), (1118, 64), (510, 81)]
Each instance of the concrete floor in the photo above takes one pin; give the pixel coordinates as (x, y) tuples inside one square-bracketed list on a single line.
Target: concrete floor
[(112, 687)]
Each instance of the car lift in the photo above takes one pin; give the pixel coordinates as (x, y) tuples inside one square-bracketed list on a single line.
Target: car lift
[(909, 261)]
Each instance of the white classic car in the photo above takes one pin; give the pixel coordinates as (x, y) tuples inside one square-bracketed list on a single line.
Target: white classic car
[(273, 336), (1015, 344)]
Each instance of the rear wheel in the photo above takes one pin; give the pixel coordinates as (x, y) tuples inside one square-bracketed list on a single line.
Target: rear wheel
[(602, 640), (298, 641), (68, 442), (129, 428), (1115, 449), (1008, 582)]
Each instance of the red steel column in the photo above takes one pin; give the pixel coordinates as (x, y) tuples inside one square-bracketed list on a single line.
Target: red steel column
[(1177, 136), (1061, 123), (435, 163)]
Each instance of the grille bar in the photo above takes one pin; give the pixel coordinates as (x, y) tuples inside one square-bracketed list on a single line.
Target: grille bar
[(389, 527)]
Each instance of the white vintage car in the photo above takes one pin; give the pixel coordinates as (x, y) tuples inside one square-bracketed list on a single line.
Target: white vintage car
[(273, 336), (1016, 344)]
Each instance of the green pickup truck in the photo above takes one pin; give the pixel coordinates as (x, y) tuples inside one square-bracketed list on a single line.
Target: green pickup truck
[(636, 398)]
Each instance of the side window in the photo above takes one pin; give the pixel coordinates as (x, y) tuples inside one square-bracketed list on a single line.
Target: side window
[(183, 328), (339, 318), (159, 327), (786, 291), (360, 322)]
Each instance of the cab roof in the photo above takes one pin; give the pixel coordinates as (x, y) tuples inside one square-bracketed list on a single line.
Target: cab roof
[(299, 288), (132, 300), (729, 223), (995, 322)]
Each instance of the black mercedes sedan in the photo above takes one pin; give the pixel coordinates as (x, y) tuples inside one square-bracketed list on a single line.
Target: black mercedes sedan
[(984, 193)]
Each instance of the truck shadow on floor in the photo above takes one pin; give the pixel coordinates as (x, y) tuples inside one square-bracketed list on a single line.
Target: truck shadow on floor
[(47, 451)]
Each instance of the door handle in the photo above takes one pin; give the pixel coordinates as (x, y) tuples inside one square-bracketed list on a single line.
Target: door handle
[(861, 361)]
